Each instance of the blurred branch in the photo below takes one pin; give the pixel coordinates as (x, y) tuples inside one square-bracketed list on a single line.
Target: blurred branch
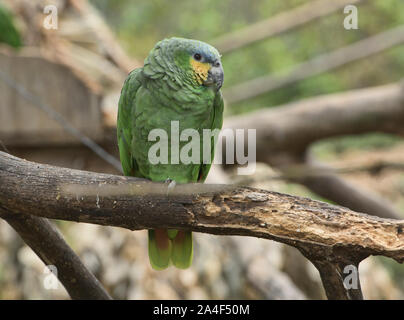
[(344, 193), (323, 180), (103, 33), (282, 22), (372, 168), (302, 171), (320, 64), (322, 232), (284, 134), (47, 242), (291, 128), (4, 146)]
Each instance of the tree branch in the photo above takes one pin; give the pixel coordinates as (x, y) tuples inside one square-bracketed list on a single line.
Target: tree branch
[(291, 128), (47, 242), (335, 188), (325, 182), (322, 232), (304, 171), (278, 24), (333, 280)]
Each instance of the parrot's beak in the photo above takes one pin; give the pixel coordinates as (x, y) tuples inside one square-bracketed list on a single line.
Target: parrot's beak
[(215, 76)]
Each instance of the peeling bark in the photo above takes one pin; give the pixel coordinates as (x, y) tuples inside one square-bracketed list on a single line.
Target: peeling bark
[(326, 234)]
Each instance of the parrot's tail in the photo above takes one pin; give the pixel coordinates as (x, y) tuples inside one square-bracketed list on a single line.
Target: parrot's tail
[(166, 245), (159, 249)]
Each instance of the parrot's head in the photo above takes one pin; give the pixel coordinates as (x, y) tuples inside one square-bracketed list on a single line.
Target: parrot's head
[(184, 60)]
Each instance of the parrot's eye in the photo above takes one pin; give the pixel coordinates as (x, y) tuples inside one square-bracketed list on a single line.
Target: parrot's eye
[(197, 57)]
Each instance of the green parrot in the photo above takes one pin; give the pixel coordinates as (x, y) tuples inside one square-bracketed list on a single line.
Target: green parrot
[(179, 83)]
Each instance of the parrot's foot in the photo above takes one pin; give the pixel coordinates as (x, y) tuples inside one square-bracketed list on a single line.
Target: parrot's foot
[(171, 185)]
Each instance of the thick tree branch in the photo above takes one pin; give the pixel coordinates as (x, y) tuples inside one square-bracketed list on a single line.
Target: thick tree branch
[(332, 276), (329, 236), (47, 242), (323, 229)]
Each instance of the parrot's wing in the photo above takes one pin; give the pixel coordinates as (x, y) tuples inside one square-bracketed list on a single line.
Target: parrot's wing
[(126, 108), (216, 124)]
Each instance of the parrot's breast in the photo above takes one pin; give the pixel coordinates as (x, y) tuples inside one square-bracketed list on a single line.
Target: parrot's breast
[(169, 136)]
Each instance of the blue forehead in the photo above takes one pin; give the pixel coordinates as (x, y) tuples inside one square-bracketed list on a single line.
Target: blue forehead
[(206, 50), (209, 52)]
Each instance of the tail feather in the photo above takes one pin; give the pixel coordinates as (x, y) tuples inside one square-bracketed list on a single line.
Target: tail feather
[(160, 248), (182, 250), (170, 245), (172, 233)]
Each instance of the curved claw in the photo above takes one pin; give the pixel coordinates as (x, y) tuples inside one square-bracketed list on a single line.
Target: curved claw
[(171, 184)]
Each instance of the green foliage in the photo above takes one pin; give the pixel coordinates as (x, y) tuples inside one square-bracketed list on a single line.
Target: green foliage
[(8, 32)]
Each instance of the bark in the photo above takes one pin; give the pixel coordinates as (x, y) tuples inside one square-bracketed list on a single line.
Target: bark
[(324, 233)]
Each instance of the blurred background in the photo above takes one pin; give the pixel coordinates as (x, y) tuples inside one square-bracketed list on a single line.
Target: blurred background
[(59, 85)]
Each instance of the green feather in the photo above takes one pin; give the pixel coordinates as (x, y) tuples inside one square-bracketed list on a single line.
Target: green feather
[(159, 253), (218, 107), (182, 250), (124, 125), (172, 233), (8, 32)]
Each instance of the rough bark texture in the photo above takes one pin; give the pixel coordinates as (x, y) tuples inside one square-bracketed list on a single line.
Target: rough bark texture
[(324, 233)]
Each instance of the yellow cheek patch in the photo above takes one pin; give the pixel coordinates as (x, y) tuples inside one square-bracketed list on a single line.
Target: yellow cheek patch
[(201, 70)]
